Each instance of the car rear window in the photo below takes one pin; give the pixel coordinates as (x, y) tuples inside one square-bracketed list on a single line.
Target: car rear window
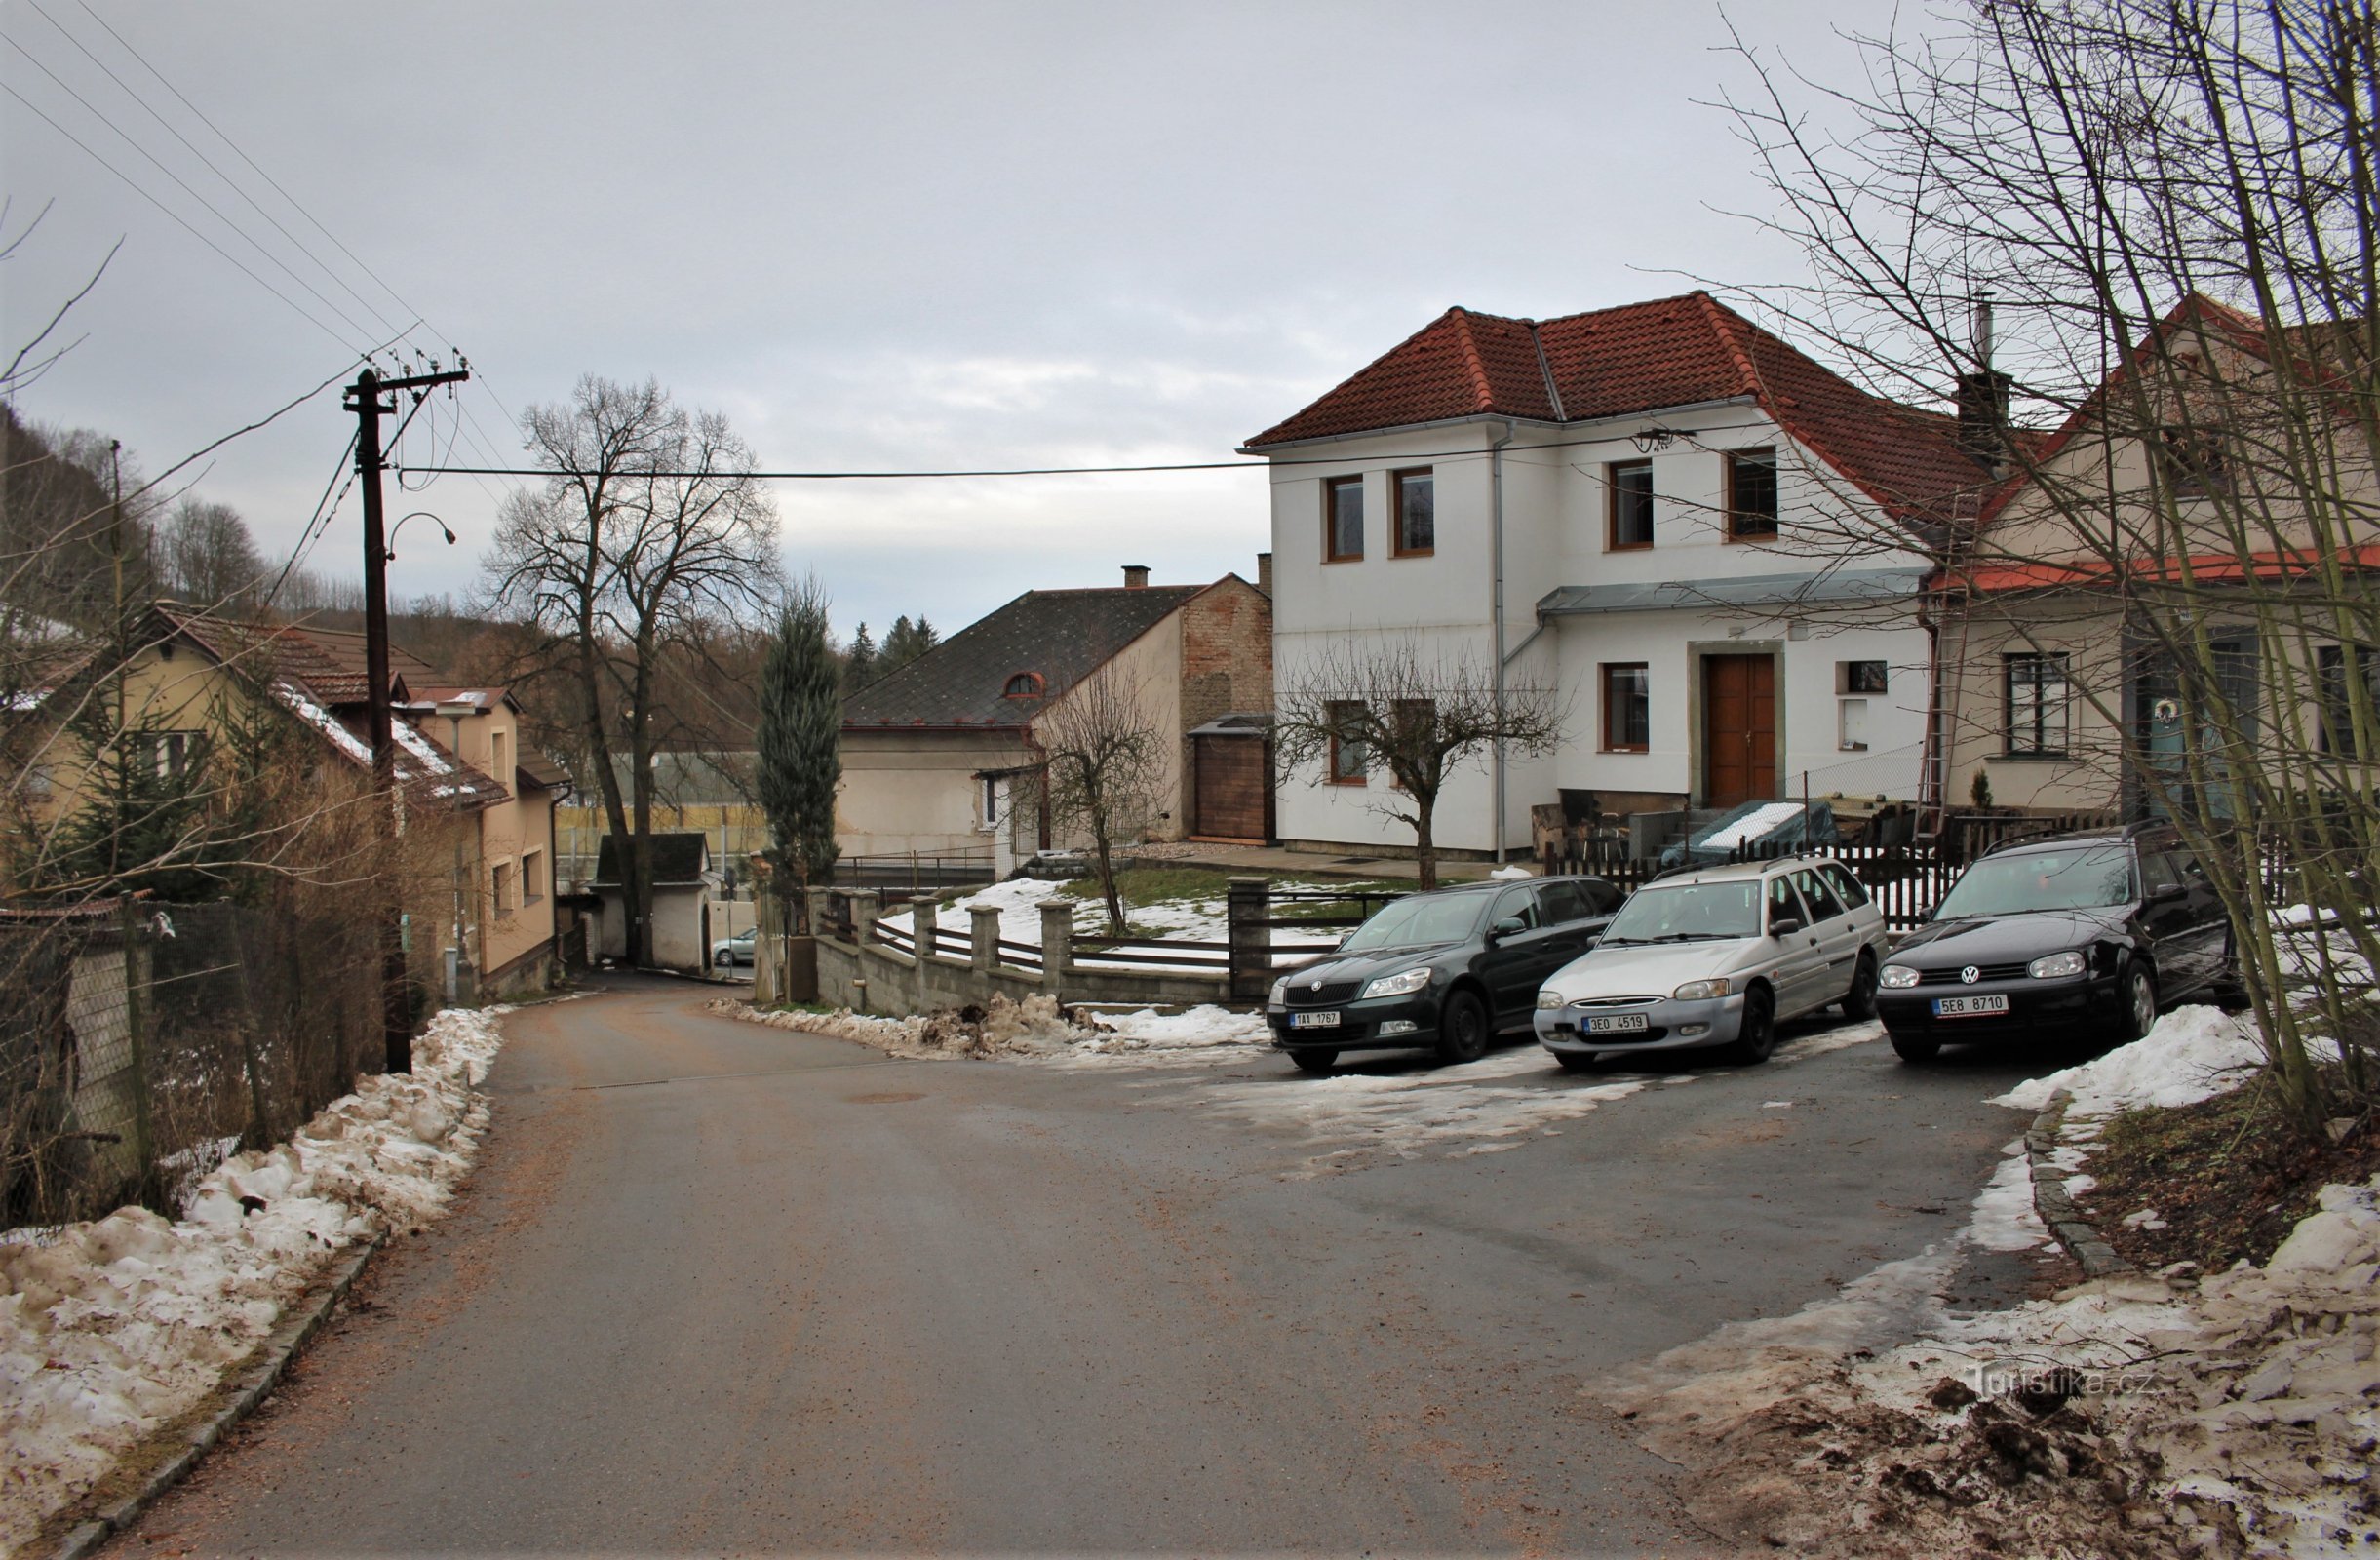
[(1846, 888)]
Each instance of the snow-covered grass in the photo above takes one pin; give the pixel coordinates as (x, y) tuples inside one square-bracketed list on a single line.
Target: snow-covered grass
[(1030, 1030), (111, 1329)]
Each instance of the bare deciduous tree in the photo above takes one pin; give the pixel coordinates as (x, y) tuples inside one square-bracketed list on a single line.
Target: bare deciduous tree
[(1105, 765), (1417, 714), (650, 535), (208, 557), (2172, 208)]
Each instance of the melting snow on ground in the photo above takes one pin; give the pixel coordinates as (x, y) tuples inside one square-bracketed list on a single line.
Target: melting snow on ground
[(111, 1329), (2142, 1415)]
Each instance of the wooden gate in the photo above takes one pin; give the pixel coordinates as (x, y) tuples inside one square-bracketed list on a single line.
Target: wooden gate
[(1230, 787)]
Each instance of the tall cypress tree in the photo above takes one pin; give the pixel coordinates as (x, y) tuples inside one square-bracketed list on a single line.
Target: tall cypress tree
[(800, 760)]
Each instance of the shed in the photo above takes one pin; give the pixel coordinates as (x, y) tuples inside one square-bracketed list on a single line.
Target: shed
[(683, 886)]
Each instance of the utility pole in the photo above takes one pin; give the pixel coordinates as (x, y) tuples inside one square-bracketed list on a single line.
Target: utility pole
[(364, 400)]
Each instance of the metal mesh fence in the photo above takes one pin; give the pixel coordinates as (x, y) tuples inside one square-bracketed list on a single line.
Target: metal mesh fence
[(140, 1043)]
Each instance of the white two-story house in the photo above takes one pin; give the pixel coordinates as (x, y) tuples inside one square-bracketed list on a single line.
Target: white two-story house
[(1708, 545)]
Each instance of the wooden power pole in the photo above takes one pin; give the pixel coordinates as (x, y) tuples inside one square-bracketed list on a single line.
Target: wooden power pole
[(363, 398)]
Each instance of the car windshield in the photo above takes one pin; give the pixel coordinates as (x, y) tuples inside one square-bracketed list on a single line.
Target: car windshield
[(2084, 878), (1689, 913), (1423, 919)]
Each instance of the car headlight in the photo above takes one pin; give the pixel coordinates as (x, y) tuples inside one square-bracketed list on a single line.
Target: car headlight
[(1549, 998), (1279, 995), (1404, 983), (1701, 991), (2051, 967), (1897, 978)]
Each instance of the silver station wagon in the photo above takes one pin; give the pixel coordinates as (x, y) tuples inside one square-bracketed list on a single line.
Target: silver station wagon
[(1715, 959)]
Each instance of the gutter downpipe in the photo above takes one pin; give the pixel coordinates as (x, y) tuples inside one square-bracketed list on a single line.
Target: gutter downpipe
[(1495, 504)]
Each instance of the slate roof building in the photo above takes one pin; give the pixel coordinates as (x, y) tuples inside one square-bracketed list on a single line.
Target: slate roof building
[(684, 883), (1709, 544), (939, 756)]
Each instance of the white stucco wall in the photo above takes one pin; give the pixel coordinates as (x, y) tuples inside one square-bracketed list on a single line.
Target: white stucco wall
[(1555, 534)]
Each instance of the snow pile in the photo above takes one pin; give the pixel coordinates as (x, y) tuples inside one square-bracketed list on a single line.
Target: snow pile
[(2192, 1054), (1204, 1033), (1036, 1026), (1750, 827), (111, 1329)]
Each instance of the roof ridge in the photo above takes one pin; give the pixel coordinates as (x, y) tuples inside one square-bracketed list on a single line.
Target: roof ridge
[(1719, 316), (1553, 392), (1470, 358)]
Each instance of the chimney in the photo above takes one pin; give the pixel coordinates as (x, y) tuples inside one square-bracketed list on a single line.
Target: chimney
[(1136, 576), (1982, 398), (1263, 573)]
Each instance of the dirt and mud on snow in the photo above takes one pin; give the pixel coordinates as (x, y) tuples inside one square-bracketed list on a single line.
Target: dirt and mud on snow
[(2233, 1413)]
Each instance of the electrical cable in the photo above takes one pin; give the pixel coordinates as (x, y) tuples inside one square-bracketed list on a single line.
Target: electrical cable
[(122, 134)]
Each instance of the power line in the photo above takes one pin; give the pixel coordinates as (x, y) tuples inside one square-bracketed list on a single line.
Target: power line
[(175, 216), (123, 135), (209, 162)]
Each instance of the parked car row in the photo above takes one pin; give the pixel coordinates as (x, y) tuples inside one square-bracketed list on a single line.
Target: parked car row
[(2099, 931)]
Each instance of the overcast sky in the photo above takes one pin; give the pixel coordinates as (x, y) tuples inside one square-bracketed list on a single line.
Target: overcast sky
[(875, 235)]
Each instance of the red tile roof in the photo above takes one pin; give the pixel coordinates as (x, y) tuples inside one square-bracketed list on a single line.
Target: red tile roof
[(2205, 569), (1644, 357)]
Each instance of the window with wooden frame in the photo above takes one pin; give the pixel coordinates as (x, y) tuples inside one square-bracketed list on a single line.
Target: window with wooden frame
[(2330, 662), (532, 876), (499, 747), (1627, 707), (1417, 511), (1751, 495), (2036, 705), (1630, 486), (1349, 761), (1342, 520), (499, 888)]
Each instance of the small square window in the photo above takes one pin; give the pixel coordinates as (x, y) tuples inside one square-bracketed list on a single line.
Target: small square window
[(1342, 520), (1417, 514), (1861, 676), (1851, 725), (1751, 495), (1630, 484), (1627, 707)]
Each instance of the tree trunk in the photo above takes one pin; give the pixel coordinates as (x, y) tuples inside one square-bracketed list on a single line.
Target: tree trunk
[(1425, 841), (1106, 879)]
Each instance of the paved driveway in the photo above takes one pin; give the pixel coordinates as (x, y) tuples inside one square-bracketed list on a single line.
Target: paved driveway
[(718, 1286)]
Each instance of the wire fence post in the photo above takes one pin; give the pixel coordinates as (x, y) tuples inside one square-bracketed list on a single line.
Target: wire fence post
[(135, 1040)]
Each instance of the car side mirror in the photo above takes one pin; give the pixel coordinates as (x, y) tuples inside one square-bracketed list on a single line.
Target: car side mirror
[(1785, 925), (1509, 926), (2166, 891)]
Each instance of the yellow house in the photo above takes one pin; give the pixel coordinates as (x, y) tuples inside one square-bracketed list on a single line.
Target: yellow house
[(2197, 536), (471, 799)]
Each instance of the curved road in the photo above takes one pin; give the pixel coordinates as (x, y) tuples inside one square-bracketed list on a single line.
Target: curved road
[(721, 1287)]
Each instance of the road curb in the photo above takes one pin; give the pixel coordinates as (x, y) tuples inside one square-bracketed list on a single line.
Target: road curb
[(262, 1373), (2057, 1210)]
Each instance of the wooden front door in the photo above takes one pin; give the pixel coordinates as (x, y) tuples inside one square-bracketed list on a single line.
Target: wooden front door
[(1230, 787), (1739, 730)]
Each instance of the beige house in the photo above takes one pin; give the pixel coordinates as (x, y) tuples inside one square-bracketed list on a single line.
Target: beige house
[(940, 756), (2162, 516), (480, 809)]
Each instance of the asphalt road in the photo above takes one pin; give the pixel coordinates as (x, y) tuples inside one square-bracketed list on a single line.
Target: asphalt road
[(719, 1287)]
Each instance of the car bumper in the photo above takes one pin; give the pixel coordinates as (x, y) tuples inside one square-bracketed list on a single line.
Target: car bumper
[(1670, 1026), (1384, 1022), (2033, 1006)]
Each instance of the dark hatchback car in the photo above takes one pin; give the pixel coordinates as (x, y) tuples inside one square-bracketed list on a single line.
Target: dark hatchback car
[(1446, 970), (2101, 930)]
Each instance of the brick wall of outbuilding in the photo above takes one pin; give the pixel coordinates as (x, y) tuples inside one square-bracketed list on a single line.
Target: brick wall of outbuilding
[(1226, 652)]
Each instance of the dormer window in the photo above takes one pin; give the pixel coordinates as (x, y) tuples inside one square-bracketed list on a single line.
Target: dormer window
[(1022, 685)]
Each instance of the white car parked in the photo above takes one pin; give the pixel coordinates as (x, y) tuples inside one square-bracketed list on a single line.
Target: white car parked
[(1716, 957)]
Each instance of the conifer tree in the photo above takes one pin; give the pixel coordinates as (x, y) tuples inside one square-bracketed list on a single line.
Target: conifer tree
[(859, 662), (799, 763)]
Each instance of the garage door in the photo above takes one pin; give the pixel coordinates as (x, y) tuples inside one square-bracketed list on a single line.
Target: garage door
[(1231, 788)]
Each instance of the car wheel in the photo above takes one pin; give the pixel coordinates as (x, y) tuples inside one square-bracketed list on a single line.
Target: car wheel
[(1758, 1037), (1916, 1047), (1315, 1062), (1859, 1003), (2139, 1001), (1462, 1028), (725, 960)]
